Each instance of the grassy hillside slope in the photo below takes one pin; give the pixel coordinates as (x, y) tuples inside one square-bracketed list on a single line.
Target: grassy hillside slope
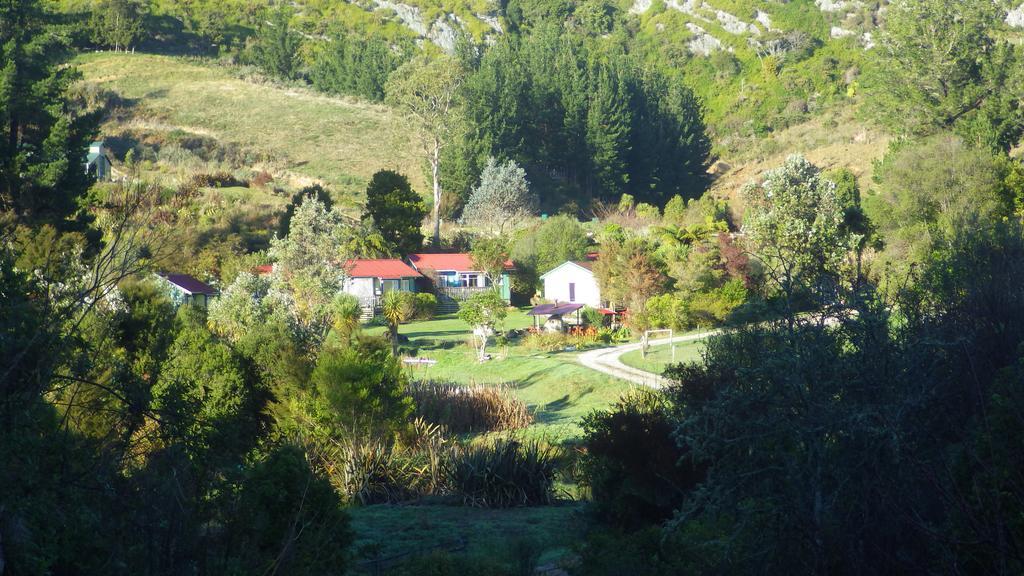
[(295, 134)]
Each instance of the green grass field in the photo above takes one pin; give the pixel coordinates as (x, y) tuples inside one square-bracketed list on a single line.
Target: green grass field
[(303, 136), (659, 357), (557, 389)]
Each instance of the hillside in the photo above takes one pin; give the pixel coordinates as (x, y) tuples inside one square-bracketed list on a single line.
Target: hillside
[(182, 116)]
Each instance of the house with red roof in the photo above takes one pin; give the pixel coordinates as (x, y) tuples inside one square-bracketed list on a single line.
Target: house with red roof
[(369, 279), (456, 277)]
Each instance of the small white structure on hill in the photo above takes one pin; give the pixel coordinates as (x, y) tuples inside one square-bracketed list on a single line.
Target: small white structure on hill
[(97, 163), (574, 282)]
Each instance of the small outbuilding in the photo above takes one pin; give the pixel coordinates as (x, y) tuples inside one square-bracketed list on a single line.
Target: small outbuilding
[(185, 289), (554, 313), (573, 282), (97, 163)]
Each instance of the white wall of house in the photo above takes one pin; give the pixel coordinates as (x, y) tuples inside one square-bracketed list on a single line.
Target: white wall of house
[(367, 288), (362, 288), (572, 283)]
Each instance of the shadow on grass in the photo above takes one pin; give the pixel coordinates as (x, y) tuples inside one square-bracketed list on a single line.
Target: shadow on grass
[(432, 334)]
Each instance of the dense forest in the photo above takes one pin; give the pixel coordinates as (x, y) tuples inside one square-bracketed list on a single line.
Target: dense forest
[(858, 408)]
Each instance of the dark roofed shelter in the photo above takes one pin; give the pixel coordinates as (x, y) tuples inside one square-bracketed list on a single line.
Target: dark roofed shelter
[(557, 309), (185, 289)]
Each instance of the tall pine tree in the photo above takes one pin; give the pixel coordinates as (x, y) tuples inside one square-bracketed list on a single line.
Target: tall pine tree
[(43, 141)]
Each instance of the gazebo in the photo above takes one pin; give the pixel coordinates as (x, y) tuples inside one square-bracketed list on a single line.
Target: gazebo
[(556, 309)]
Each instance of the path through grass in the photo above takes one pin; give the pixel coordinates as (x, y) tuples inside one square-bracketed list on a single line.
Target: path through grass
[(660, 357), (557, 389)]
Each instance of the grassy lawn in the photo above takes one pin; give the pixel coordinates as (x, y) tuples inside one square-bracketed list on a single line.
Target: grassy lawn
[(304, 134), (558, 390), (659, 357), (386, 531)]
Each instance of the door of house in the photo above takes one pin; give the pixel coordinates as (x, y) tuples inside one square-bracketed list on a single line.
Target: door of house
[(572, 291)]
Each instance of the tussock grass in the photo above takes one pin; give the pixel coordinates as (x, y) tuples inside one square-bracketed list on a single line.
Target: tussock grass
[(468, 409)]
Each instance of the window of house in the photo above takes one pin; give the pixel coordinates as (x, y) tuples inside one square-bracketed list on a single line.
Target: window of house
[(469, 280), (572, 291)]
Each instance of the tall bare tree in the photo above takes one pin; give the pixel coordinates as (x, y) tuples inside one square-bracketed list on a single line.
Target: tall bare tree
[(427, 88)]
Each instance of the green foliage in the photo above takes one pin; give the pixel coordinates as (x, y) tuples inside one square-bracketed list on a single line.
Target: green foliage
[(483, 311), (504, 474), (638, 475), (204, 395), (288, 518), (276, 46), (308, 271), (425, 306), (584, 123), (397, 307), (628, 272), (396, 210), (117, 24), (427, 89), (928, 190), (314, 192), (795, 229), (592, 316), (554, 241), (489, 255), (364, 390), (948, 66), (43, 137), (348, 63)]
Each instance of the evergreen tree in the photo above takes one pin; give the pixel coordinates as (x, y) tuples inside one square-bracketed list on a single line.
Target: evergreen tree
[(396, 210), (277, 45), (347, 64), (43, 141), (117, 24), (609, 119)]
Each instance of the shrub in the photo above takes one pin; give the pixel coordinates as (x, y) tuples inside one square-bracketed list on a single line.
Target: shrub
[(638, 475), (504, 474), (376, 472), (592, 317), (466, 409), (546, 341), (425, 306)]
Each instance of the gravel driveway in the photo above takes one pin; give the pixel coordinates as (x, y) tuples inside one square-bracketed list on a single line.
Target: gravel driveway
[(607, 360)]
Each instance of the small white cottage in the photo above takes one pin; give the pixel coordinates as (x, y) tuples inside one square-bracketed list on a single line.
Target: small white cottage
[(368, 280), (573, 282)]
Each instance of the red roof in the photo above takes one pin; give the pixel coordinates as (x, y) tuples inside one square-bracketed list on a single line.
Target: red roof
[(588, 264), (263, 269), (462, 262), (388, 269)]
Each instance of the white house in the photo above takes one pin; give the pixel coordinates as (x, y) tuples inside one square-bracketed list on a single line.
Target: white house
[(573, 282), (368, 280)]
